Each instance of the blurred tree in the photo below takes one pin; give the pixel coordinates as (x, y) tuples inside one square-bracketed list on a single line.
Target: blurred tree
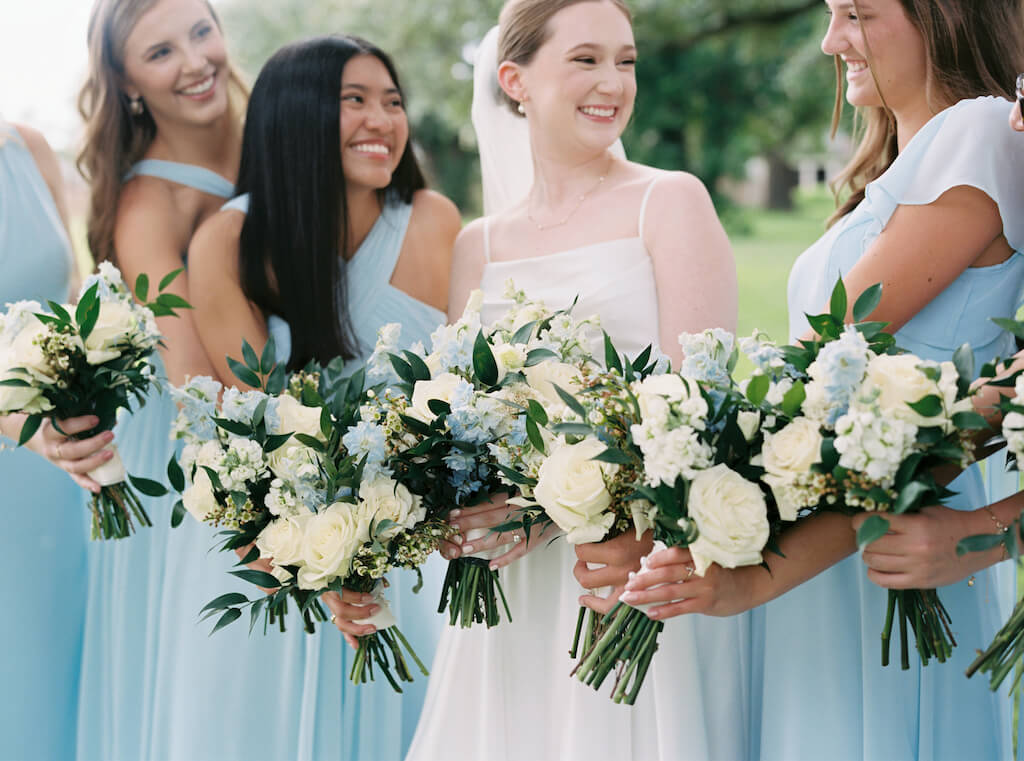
[(719, 80)]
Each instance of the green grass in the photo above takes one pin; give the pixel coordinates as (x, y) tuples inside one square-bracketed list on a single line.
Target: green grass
[(766, 244)]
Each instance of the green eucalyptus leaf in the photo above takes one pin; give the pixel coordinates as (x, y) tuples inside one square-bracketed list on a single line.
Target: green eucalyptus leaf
[(978, 543), (484, 364), (867, 302), (970, 421), (757, 388), (225, 601), (178, 514), (794, 398), (230, 616), (838, 303), (276, 381), (259, 578), (249, 357), (537, 356), (570, 401), (611, 357), (29, 428), (523, 334), (170, 278), (419, 368), (910, 497), (276, 441), (537, 412), (268, 356), (142, 288), (233, 426), (243, 373), (614, 456), (874, 528), (176, 475), (533, 432), (572, 429), (147, 486), (172, 301), (929, 406)]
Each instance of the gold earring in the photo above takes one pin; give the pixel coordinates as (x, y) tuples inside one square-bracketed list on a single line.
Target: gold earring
[(135, 106)]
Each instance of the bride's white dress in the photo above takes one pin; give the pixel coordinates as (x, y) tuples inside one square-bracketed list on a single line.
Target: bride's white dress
[(505, 694)]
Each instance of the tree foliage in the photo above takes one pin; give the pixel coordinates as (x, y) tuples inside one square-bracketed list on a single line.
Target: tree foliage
[(719, 80)]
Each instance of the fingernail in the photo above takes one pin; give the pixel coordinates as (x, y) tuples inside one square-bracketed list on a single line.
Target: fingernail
[(373, 609), (468, 548), (107, 454), (366, 598), (654, 613), (458, 539), (93, 420), (108, 436), (493, 567), (456, 526), (454, 513), (628, 596)]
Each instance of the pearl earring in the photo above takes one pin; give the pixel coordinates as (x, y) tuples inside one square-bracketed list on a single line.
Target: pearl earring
[(135, 106), (521, 109)]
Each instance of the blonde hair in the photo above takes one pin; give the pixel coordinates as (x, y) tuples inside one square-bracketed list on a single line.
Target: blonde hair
[(114, 138), (974, 48), (523, 29)]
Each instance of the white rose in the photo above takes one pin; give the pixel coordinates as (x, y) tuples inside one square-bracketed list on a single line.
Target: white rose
[(668, 385), (442, 387), (732, 517), (793, 450), (281, 540), (385, 499), (509, 357), (543, 378), (571, 489), (899, 381), (295, 417), (748, 422), (198, 498), (332, 538), (25, 352), (28, 399), (115, 326)]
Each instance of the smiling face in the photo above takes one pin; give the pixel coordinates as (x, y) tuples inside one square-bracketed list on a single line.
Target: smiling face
[(374, 126), (898, 56), (175, 60), (581, 84)]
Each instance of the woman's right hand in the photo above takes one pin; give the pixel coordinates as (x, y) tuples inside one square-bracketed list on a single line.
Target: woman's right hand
[(76, 457), (348, 608), (484, 518)]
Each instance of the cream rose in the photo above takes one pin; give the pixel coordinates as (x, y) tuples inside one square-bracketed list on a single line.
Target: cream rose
[(732, 517), (332, 538), (571, 488), (294, 417), (900, 382), (442, 387), (385, 499), (793, 450), (26, 399), (748, 422), (198, 498), (544, 377), (281, 540), (116, 323), (25, 352)]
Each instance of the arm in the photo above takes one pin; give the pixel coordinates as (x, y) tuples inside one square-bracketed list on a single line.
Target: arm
[(150, 238), (694, 269), (424, 268), (810, 547), (467, 267), (695, 276), (48, 167), (224, 316)]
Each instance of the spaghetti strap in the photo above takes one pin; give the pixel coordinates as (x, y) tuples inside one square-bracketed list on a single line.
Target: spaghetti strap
[(200, 178), (643, 205), (487, 240)]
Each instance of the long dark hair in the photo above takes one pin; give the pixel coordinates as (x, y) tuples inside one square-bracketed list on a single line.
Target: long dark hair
[(289, 257)]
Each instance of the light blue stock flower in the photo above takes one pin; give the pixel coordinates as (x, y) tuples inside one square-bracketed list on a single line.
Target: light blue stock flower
[(706, 355), (368, 440)]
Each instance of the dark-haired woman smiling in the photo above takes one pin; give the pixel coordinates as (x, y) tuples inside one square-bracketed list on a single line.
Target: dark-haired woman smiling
[(334, 236)]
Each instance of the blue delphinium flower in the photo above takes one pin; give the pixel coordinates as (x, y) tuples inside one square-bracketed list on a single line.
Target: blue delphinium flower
[(706, 355)]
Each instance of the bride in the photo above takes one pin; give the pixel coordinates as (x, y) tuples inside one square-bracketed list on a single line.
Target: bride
[(644, 250)]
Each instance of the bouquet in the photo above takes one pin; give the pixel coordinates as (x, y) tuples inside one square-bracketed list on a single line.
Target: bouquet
[(92, 359), (292, 472), (458, 433), (872, 425), (677, 453)]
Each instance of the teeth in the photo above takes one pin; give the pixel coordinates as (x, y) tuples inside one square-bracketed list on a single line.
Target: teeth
[(376, 148), (200, 88), (603, 113), (855, 67)]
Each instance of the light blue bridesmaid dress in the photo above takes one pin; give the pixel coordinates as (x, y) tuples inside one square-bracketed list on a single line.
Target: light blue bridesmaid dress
[(287, 696), (125, 648), (45, 528), (824, 692)]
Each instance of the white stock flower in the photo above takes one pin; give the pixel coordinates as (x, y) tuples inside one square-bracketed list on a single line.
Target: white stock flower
[(874, 443), (331, 539), (115, 327), (509, 357), (1013, 431), (572, 490), (440, 388), (732, 517), (385, 499)]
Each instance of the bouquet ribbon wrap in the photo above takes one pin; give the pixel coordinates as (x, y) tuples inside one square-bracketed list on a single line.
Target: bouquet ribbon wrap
[(112, 471), (383, 618), (658, 547)]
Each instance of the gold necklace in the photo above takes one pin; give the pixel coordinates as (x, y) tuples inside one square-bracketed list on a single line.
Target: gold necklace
[(579, 203)]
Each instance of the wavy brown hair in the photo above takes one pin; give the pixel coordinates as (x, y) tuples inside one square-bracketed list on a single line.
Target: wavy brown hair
[(114, 138), (974, 47)]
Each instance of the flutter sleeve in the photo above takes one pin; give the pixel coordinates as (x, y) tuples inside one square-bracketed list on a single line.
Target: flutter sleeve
[(970, 144)]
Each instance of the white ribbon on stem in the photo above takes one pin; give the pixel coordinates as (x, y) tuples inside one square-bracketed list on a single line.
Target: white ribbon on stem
[(112, 471)]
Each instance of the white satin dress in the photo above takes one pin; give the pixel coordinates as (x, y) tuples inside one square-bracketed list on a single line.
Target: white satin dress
[(505, 694)]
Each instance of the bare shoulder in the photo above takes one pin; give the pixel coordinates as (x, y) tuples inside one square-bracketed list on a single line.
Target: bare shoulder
[(214, 246), (678, 187), (469, 246), (435, 213)]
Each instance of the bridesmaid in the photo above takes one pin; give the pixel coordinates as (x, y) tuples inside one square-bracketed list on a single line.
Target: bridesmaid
[(334, 236), (933, 214), (45, 524), (162, 143)]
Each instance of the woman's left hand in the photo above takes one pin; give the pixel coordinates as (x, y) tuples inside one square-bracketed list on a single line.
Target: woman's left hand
[(919, 552), (617, 558)]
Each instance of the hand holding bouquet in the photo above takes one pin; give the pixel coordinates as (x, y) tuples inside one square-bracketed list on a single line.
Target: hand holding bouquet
[(92, 359)]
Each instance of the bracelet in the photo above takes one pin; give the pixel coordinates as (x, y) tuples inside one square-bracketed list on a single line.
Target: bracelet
[(1002, 528)]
